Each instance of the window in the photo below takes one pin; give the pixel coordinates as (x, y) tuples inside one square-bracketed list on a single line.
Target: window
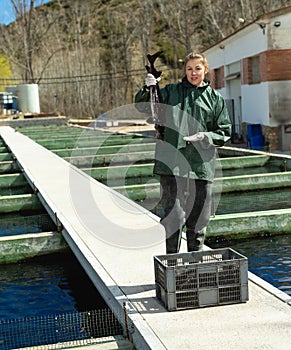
[(218, 78), (255, 70)]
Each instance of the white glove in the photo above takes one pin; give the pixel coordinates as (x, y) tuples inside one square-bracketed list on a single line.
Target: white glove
[(194, 138), (150, 80)]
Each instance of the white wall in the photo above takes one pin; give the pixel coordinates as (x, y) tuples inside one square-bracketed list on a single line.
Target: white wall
[(233, 88), (279, 37), (255, 103), (223, 92), (280, 107), (249, 42)]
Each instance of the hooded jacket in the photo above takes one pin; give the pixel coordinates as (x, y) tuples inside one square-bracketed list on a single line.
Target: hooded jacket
[(184, 111)]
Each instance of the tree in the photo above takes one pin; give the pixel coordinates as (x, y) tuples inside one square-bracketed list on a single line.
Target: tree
[(24, 38), (182, 19), (88, 56)]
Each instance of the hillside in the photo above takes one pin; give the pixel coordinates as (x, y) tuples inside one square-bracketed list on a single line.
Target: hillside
[(88, 56)]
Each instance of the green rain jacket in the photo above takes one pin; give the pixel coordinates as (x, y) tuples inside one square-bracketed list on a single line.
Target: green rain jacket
[(186, 110)]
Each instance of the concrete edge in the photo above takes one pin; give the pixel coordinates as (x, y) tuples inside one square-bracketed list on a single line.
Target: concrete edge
[(17, 248), (104, 343), (251, 151), (28, 236), (270, 288), (272, 212)]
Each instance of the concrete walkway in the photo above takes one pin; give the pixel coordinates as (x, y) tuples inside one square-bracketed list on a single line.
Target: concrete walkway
[(115, 241)]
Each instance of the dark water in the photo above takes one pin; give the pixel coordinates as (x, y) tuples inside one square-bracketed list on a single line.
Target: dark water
[(53, 284), (268, 258), (21, 223), (57, 283), (46, 285)]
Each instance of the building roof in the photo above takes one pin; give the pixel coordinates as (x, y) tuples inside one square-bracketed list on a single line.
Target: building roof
[(263, 19)]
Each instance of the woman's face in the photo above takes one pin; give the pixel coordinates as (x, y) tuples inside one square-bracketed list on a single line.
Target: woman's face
[(195, 71)]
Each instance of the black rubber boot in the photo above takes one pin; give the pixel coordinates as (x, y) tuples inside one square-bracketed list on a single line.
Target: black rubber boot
[(173, 242), (195, 240)]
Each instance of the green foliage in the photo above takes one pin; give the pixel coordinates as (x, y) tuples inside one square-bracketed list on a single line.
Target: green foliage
[(169, 56), (5, 71), (160, 26)]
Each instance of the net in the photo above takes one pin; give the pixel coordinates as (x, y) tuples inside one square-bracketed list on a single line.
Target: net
[(79, 328)]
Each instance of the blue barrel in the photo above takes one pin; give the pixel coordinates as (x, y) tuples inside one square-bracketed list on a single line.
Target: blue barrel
[(255, 136)]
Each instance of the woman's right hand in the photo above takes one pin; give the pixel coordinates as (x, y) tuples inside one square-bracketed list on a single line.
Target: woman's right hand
[(150, 80)]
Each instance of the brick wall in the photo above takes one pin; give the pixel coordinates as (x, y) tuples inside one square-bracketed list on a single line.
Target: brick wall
[(271, 135), (246, 76), (275, 65), (212, 76)]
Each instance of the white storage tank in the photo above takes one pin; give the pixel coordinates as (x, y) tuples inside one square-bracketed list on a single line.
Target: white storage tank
[(28, 98)]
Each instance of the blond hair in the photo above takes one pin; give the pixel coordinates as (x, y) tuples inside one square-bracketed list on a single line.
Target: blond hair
[(195, 55)]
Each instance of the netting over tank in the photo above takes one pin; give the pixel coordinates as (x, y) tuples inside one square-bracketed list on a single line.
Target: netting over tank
[(75, 328)]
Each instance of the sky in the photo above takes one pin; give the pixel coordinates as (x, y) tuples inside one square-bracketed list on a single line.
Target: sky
[(6, 12)]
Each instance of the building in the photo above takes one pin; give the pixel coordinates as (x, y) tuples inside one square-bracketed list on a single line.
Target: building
[(252, 70)]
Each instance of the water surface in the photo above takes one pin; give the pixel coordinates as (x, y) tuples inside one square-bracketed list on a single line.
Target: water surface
[(268, 258), (46, 285)]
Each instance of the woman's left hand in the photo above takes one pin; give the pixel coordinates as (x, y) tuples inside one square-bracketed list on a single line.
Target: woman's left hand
[(196, 137)]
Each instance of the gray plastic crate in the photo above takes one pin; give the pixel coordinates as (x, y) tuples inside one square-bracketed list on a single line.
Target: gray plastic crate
[(199, 279)]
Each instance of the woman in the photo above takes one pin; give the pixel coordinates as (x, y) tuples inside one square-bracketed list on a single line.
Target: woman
[(193, 120)]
